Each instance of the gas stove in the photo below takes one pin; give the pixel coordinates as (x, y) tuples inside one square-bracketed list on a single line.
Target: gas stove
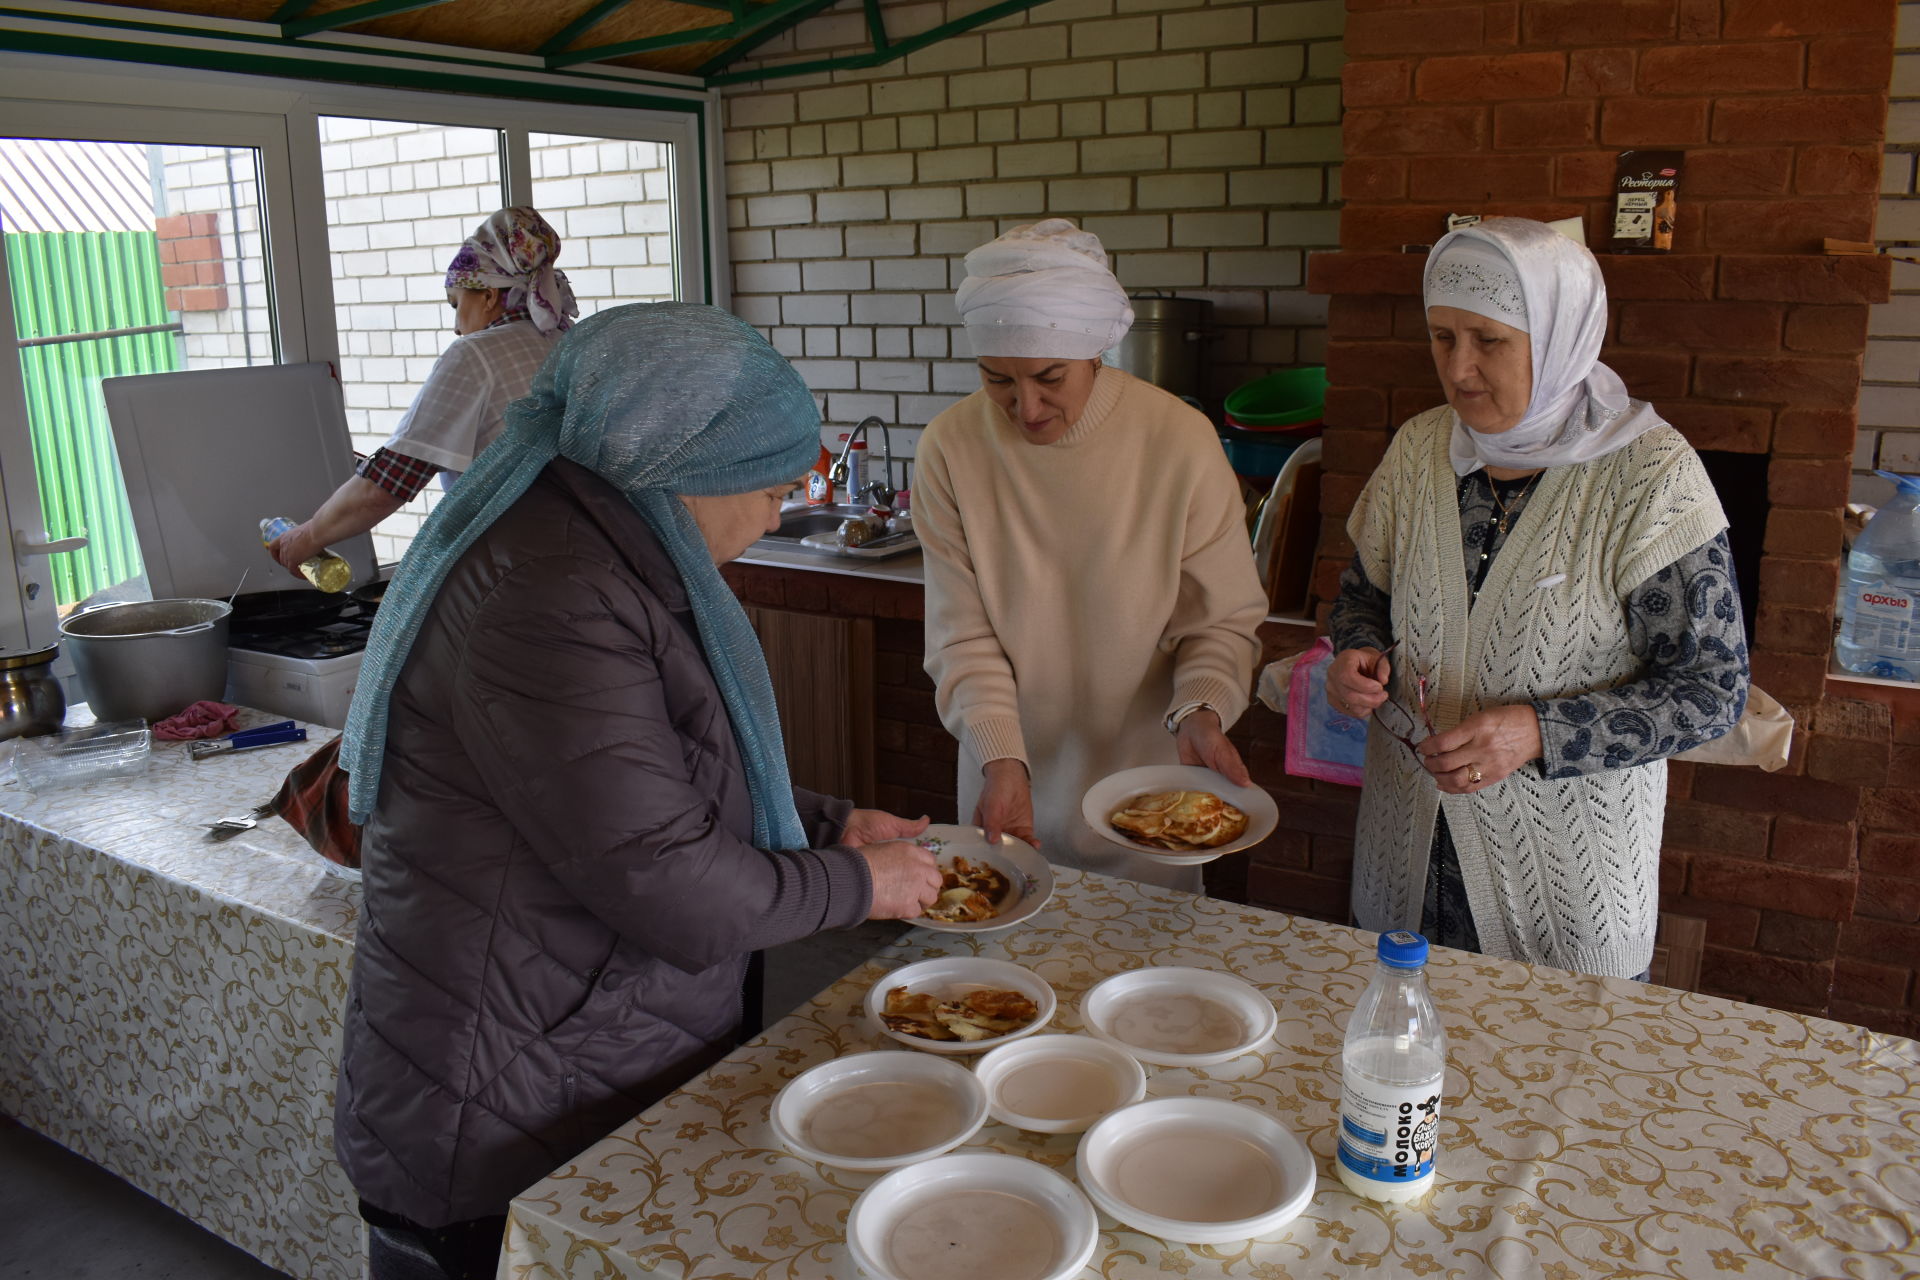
[(307, 672)]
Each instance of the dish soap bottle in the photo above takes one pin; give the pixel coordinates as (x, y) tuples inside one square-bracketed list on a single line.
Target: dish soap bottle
[(326, 571), (1880, 596), (820, 481), (1391, 1071)]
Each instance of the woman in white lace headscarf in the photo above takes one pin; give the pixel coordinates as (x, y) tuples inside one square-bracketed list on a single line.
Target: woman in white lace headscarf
[(1091, 595), (1540, 610), (509, 304)]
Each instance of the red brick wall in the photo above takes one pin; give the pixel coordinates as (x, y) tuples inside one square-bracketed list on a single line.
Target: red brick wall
[(1746, 337), (191, 267)]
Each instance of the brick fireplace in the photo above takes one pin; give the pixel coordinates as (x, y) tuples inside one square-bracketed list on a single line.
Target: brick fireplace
[(1747, 337)]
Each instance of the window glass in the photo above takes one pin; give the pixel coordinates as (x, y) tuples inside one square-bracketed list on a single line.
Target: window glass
[(401, 196), (122, 258), (611, 200)]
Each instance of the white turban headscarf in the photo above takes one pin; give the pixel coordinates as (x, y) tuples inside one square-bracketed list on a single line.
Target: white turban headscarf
[(1042, 290), (1525, 274)]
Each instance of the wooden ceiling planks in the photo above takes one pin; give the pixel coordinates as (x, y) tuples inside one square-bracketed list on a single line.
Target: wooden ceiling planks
[(503, 26)]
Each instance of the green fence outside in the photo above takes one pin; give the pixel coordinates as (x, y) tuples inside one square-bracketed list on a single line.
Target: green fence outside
[(85, 282)]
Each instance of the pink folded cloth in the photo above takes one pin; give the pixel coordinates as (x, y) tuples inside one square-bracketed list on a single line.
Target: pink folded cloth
[(201, 720)]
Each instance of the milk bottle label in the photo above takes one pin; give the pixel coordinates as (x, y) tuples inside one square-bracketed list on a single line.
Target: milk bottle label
[(1388, 1132)]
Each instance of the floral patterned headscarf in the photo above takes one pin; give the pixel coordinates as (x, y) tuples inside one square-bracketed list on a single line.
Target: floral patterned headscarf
[(514, 249)]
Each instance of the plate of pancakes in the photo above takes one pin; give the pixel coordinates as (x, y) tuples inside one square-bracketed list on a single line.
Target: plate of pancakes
[(1178, 813)]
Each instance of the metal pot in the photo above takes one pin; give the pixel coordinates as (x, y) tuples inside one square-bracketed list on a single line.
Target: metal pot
[(1164, 345), (149, 659), (30, 698)]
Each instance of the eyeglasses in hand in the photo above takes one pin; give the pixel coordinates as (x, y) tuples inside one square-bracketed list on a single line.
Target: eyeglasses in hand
[(1400, 723)]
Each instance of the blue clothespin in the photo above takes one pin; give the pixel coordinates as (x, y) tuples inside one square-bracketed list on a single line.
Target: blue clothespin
[(266, 735)]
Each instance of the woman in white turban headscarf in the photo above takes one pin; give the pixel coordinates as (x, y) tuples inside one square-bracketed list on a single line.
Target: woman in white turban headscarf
[(1546, 562), (1091, 596)]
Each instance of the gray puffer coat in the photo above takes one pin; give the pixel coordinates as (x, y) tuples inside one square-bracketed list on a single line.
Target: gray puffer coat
[(561, 888)]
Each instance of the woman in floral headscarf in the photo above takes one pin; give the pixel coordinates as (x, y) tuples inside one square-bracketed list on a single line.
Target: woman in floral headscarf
[(509, 304)]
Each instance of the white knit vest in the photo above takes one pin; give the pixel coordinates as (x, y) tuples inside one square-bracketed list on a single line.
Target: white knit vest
[(1561, 872)]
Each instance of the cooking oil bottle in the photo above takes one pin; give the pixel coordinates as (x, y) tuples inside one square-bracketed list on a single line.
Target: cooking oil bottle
[(326, 571)]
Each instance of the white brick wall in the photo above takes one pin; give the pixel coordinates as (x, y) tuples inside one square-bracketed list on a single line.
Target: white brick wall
[(1890, 391), (1200, 140), (400, 199)]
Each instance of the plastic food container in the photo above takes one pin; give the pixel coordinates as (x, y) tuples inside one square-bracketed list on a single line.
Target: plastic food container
[(76, 756)]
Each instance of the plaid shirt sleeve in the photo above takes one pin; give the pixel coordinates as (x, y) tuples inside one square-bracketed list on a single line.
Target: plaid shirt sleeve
[(399, 475)]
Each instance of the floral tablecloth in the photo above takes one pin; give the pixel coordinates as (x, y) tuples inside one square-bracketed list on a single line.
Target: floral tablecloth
[(170, 1007), (1594, 1127)]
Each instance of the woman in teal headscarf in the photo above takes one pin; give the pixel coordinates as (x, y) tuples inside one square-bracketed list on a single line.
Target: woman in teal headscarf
[(578, 817)]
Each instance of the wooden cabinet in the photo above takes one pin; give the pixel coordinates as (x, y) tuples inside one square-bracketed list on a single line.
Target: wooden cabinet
[(822, 669)]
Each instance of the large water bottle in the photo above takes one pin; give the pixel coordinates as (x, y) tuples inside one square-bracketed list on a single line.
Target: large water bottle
[(1390, 1076), (1880, 596)]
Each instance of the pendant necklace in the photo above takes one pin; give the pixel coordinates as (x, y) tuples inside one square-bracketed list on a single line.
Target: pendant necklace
[(1507, 510)]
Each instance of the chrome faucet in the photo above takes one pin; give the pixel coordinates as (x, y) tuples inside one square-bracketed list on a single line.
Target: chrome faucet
[(881, 490)]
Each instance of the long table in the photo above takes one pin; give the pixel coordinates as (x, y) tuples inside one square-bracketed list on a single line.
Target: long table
[(170, 1008), (1594, 1127)]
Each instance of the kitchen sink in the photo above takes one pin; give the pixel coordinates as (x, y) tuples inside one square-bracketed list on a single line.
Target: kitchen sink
[(802, 522)]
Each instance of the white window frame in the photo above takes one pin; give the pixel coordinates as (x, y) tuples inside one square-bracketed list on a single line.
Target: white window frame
[(54, 96)]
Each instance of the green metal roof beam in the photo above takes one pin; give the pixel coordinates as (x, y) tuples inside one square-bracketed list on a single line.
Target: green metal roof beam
[(291, 10), (353, 14), (765, 15), (727, 57), (880, 57), (579, 26), (876, 26)]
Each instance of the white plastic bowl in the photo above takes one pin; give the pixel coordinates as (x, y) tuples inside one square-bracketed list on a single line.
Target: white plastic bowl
[(1172, 1016), (878, 1110), (1196, 1170), (1029, 876), (1116, 789), (1058, 1083), (972, 1217), (951, 976)]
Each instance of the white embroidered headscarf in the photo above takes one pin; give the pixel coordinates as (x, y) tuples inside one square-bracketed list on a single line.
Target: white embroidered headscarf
[(1042, 290), (1526, 274)]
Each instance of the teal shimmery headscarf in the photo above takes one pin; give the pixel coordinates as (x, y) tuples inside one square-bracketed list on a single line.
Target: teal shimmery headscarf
[(658, 399)]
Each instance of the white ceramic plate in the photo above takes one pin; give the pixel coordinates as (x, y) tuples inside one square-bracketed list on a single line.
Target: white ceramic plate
[(1177, 1017), (950, 976), (1058, 1083), (1029, 877), (878, 1110), (972, 1217), (1116, 789), (1196, 1170)]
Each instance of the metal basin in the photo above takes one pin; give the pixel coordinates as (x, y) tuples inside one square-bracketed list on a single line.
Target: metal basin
[(802, 522)]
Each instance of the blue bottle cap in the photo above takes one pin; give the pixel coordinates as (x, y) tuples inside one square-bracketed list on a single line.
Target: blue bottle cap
[(1403, 949)]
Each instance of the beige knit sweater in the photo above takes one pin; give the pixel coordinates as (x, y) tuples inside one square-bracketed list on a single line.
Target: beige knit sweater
[(1077, 592)]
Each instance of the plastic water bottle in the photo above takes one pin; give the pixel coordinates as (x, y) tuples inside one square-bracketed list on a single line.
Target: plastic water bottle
[(1391, 1072), (1880, 597), (327, 571)]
